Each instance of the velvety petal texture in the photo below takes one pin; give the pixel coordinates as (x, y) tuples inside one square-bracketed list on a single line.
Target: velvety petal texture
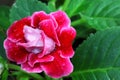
[(15, 31), (61, 18), (58, 67), (42, 42), (14, 52)]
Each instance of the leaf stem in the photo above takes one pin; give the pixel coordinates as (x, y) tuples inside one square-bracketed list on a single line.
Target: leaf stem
[(78, 22), (15, 67)]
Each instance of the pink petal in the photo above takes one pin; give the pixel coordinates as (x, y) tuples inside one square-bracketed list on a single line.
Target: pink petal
[(33, 59), (66, 36), (15, 32), (61, 18), (35, 69), (67, 52), (14, 52), (37, 17), (34, 40), (49, 29), (59, 67)]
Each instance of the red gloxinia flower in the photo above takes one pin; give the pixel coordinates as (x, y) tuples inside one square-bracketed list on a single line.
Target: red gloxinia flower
[(42, 42)]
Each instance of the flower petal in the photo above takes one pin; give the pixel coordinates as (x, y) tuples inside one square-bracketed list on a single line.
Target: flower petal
[(67, 52), (59, 67), (15, 32), (14, 52), (66, 36), (33, 59), (37, 17), (49, 29), (35, 69), (61, 18)]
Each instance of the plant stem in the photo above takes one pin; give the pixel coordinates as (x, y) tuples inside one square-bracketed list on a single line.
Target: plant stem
[(15, 67), (78, 22)]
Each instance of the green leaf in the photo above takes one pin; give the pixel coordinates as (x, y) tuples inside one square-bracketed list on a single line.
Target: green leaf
[(23, 8), (98, 57), (4, 17), (101, 14)]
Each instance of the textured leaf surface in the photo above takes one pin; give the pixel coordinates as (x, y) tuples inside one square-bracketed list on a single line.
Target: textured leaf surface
[(102, 14), (99, 14), (23, 8), (98, 58)]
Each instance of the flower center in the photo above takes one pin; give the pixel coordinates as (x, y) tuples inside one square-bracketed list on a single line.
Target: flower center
[(37, 41)]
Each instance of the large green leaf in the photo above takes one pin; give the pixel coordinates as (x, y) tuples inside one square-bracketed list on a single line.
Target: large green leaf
[(99, 14), (102, 14), (98, 58), (23, 8)]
